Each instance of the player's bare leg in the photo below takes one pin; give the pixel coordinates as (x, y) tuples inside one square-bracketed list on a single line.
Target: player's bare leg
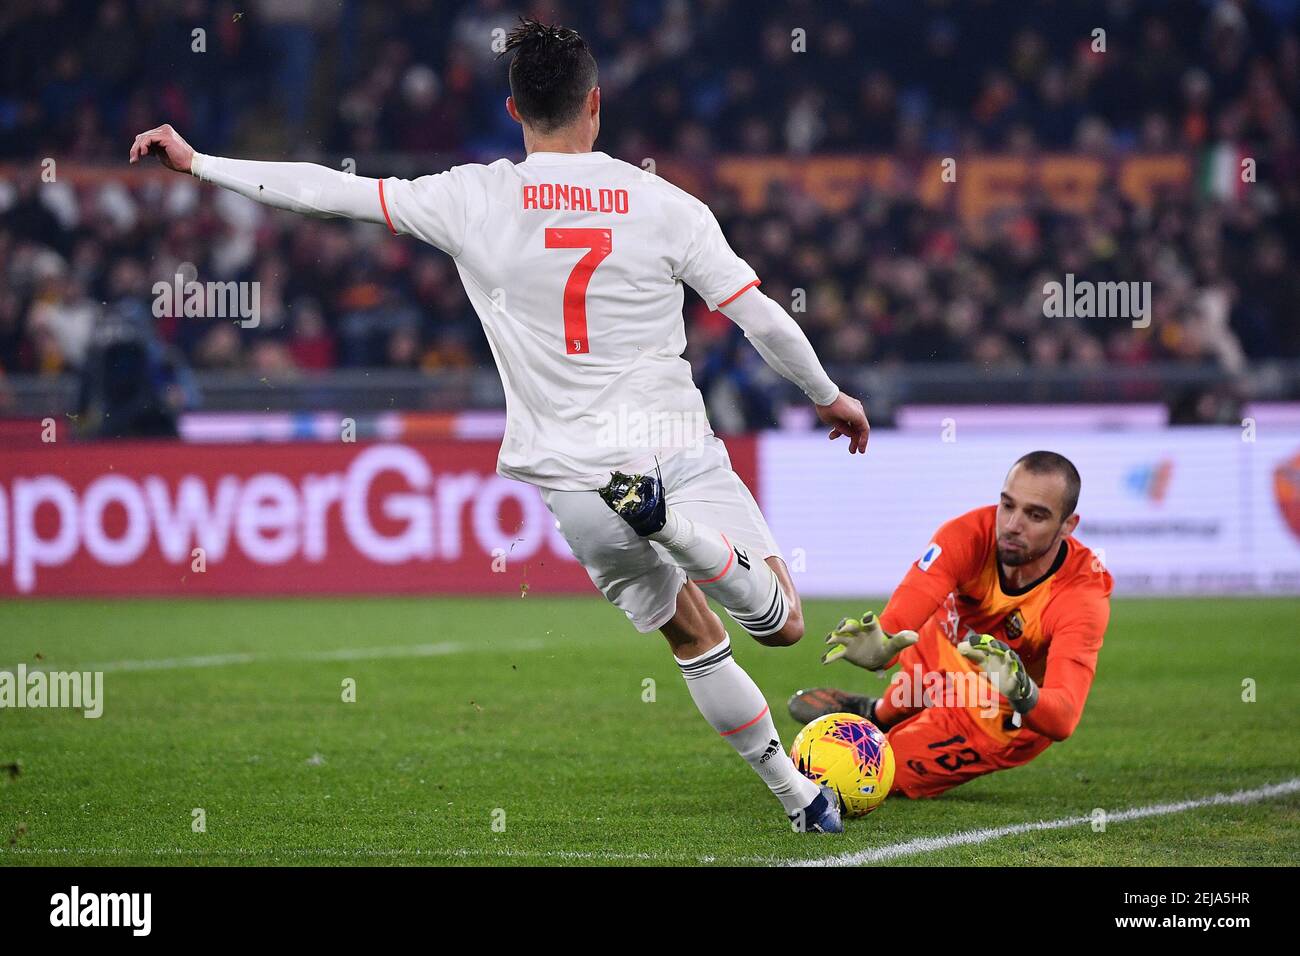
[(683, 634), (694, 630), (753, 592), (792, 630), (733, 705)]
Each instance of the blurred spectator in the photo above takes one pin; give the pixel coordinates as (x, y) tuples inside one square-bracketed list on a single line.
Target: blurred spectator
[(131, 386)]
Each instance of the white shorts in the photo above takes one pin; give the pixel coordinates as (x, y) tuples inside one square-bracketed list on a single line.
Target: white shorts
[(636, 574)]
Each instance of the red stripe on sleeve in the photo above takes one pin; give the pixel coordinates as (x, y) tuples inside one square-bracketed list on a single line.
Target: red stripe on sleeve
[(736, 295), (384, 206)]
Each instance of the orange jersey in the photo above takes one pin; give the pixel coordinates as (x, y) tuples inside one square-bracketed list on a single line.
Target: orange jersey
[(1056, 624)]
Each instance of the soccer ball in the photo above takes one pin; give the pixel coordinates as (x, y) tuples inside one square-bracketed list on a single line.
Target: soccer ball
[(850, 755)]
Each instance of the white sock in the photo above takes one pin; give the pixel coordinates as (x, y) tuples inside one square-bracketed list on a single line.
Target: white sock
[(734, 706), (743, 584)]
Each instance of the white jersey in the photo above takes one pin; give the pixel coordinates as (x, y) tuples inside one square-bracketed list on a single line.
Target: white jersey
[(574, 263)]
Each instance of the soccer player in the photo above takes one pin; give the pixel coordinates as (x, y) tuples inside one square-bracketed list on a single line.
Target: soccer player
[(574, 262), (1003, 591)]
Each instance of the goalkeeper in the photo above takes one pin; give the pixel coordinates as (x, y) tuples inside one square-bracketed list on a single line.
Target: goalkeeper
[(1004, 600)]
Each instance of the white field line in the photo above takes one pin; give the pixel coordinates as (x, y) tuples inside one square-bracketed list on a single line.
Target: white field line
[(935, 844), (339, 654), (879, 855)]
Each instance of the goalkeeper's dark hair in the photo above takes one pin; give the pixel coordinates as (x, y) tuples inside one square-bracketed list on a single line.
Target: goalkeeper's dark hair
[(1050, 463), (550, 74)]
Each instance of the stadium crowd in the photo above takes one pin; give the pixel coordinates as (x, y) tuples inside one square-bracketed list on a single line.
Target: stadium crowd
[(890, 281)]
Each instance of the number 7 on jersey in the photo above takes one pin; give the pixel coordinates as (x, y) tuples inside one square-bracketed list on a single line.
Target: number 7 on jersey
[(599, 243)]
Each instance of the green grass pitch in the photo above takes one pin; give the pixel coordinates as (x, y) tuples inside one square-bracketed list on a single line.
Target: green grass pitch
[(516, 731)]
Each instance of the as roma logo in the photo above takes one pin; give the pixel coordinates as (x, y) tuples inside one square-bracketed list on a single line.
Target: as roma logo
[(1286, 485), (1014, 625)]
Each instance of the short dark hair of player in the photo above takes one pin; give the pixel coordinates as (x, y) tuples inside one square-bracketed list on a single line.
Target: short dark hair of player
[(1050, 463), (550, 75)]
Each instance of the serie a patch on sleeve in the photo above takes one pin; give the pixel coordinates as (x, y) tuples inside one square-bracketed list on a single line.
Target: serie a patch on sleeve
[(927, 559)]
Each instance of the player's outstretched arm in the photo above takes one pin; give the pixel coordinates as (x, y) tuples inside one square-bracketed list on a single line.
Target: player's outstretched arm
[(783, 345), (299, 187)]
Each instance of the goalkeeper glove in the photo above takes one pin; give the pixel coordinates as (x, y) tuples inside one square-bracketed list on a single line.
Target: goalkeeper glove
[(865, 642), (1004, 668)]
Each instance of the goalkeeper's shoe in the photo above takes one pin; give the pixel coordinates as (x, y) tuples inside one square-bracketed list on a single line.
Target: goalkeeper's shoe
[(820, 816), (638, 500), (807, 705)]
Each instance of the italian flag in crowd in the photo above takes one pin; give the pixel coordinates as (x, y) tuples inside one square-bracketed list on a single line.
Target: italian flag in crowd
[(1220, 173)]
